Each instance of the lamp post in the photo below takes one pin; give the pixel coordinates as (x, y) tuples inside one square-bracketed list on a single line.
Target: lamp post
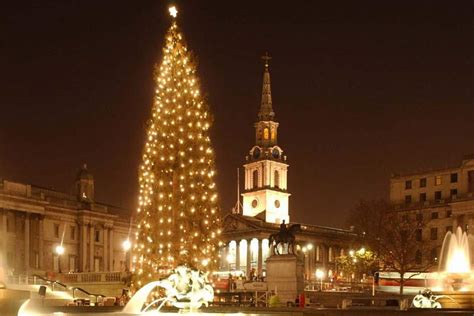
[(126, 245), (319, 275), (59, 251)]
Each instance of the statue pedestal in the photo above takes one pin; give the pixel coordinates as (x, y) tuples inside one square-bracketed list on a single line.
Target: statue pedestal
[(285, 276)]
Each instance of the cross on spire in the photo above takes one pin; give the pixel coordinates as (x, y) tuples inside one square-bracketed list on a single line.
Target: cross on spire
[(266, 111)]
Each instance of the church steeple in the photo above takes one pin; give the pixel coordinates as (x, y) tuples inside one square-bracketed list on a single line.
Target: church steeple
[(266, 111), (265, 192)]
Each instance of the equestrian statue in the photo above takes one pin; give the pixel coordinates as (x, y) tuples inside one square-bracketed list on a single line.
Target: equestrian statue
[(286, 235)]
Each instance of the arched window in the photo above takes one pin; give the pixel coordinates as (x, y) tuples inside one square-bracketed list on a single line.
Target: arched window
[(265, 133), (255, 179), (276, 179), (273, 134)]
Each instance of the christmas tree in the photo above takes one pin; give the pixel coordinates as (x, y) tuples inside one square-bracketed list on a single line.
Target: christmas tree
[(177, 218)]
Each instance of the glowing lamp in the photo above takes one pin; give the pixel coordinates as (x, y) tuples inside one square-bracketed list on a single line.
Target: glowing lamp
[(59, 249), (126, 245)]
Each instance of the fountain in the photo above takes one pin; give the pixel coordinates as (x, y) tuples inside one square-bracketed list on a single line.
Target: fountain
[(455, 264)]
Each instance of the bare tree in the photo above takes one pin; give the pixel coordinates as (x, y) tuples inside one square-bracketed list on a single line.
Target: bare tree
[(400, 247), (394, 237)]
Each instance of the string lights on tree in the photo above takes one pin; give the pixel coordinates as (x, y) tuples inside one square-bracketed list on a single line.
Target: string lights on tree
[(177, 218)]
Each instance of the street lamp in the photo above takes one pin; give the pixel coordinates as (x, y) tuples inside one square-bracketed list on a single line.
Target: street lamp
[(126, 245), (319, 275), (59, 251)]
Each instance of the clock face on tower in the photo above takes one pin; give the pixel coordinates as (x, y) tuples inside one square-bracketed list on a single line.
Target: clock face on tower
[(277, 203), (275, 153), (256, 153), (254, 203)]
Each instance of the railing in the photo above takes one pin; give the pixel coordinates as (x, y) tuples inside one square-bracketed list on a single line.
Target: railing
[(92, 277)]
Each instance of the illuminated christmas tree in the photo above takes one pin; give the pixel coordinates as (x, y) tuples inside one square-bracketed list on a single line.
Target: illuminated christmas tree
[(177, 218)]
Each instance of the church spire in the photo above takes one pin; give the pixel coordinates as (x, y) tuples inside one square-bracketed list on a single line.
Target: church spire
[(266, 111)]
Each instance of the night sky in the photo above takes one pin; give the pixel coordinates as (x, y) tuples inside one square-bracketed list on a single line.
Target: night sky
[(361, 89)]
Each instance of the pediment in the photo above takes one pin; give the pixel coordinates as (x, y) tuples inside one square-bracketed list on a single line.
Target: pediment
[(234, 222)]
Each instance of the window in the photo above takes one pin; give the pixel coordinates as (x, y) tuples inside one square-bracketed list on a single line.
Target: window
[(449, 213), (419, 234), (438, 180), (56, 230), (277, 179), (97, 235), (419, 217), (418, 257), (73, 233), (454, 193), (449, 228), (318, 253), (454, 177), (255, 179), (422, 197), (266, 133), (407, 199), (408, 185), (423, 183), (434, 215), (434, 233), (330, 255), (438, 195), (36, 256)]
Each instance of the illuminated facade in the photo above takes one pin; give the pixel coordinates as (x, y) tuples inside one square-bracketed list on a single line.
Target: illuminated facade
[(443, 199), (266, 205), (35, 220)]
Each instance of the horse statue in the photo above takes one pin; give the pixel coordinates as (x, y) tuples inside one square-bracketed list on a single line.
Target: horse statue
[(284, 236)]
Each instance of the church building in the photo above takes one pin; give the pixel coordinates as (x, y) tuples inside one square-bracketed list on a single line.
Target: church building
[(266, 206)]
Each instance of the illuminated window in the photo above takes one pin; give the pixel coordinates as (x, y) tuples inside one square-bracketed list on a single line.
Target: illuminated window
[(265, 133), (255, 178), (277, 179), (330, 255), (438, 180), (318, 253), (273, 134)]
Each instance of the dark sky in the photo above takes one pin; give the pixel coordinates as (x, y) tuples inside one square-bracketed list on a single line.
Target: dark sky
[(361, 89)]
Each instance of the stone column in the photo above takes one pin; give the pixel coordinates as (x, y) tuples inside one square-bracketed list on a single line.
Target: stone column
[(237, 255), (41, 242), (260, 258), (83, 247), (91, 248), (105, 249), (4, 243), (27, 242), (111, 250), (249, 258)]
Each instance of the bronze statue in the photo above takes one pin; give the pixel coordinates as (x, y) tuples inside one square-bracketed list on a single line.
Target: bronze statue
[(284, 236)]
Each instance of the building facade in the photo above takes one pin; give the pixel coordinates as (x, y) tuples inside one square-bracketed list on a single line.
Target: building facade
[(443, 199), (34, 221), (266, 205)]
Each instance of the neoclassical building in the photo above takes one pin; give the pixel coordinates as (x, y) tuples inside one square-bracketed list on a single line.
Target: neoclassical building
[(34, 221), (441, 198), (266, 205)]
